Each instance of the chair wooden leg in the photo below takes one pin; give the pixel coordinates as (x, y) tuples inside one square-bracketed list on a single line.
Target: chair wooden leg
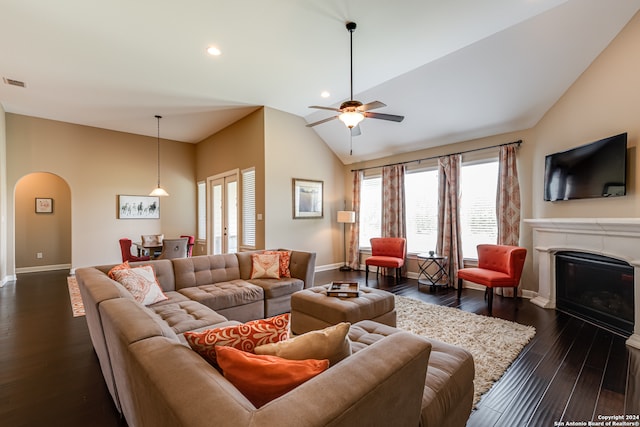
[(366, 276), (377, 272), (490, 301), (459, 288)]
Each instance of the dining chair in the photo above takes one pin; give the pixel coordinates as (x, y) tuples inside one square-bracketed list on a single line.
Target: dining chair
[(499, 266), (174, 248), (125, 249), (190, 243), (386, 252)]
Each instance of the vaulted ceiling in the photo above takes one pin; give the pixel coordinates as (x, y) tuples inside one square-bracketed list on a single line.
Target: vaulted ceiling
[(456, 69)]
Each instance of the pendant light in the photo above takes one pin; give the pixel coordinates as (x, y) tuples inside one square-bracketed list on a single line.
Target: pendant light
[(159, 191)]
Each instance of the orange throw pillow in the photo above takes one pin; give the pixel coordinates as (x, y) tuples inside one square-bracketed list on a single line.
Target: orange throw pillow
[(285, 260), (124, 266), (243, 337), (264, 378)]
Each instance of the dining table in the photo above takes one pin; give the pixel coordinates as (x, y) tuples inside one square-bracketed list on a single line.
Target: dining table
[(148, 248)]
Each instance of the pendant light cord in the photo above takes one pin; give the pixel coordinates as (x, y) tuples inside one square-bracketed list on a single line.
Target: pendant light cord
[(158, 117), (351, 56)]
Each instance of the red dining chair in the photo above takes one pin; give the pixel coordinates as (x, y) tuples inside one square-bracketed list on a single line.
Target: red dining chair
[(386, 252), (499, 266), (125, 249), (190, 243)]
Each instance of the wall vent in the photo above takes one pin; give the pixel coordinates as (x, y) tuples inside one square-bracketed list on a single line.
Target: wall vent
[(13, 82)]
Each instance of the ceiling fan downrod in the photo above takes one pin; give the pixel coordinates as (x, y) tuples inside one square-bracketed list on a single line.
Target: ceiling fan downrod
[(351, 27)]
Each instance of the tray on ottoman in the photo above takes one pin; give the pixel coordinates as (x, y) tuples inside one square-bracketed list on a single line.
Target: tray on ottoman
[(312, 309)]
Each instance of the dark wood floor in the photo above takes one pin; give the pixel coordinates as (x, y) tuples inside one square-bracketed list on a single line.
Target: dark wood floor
[(570, 371)]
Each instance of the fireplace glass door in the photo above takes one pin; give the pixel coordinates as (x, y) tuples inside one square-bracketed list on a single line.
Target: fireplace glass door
[(596, 288)]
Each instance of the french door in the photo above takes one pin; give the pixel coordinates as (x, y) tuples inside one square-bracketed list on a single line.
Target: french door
[(223, 213)]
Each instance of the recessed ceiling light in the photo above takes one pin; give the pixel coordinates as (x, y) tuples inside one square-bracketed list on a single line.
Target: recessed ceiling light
[(213, 51), (325, 94)]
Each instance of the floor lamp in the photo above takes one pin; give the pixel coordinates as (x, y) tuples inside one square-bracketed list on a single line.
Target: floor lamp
[(346, 217)]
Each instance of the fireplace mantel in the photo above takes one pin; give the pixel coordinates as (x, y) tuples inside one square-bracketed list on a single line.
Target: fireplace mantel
[(614, 237)]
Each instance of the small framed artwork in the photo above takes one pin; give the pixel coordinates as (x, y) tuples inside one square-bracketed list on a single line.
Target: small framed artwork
[(307, 199), (44, 205), (138, 207)]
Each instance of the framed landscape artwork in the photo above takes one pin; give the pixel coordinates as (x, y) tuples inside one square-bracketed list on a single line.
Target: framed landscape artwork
[(307, 198), (138, 207)]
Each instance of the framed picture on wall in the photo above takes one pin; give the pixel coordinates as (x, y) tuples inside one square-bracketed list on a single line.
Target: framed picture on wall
[(307, 199), (44, 205), (138, 207)]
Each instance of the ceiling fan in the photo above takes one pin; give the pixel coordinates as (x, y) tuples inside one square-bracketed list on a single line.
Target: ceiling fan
[(352, 112)]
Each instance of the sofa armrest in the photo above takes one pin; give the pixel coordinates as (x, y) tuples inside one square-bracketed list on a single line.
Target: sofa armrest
[(303, 266)]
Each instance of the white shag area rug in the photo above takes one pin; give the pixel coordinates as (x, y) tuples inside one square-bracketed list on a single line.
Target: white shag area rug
[(494, 343)]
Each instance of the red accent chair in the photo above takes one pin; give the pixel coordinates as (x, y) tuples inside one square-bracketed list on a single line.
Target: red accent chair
[(499, 266), (125, 249), (190, 243), (386, 252)]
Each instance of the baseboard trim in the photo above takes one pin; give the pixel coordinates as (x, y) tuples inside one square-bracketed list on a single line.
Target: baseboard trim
[(39, 268)]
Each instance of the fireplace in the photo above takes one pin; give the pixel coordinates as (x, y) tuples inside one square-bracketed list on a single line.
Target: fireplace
[(596, 288), (615, 239)]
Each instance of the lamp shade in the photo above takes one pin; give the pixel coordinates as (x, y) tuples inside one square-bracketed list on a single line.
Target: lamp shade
[(348, 217)]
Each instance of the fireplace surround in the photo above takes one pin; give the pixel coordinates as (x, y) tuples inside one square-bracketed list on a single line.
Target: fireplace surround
[(617, 238)]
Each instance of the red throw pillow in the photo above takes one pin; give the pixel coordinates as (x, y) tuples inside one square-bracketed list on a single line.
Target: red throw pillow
[(243, 337), (285, 260), (264, 378)]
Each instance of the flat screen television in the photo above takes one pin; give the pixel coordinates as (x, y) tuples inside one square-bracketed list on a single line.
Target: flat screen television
[(592, 170)]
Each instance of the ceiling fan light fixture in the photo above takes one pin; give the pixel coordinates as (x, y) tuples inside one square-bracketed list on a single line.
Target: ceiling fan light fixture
[(351, 118)]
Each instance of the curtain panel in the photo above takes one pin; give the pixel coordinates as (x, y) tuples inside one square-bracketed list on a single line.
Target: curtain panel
[(508, 197), (393, 204), (449, 243), (354, 229), (508, 203)]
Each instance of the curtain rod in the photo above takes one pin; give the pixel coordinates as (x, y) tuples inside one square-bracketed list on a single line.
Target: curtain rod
[(435, 157)]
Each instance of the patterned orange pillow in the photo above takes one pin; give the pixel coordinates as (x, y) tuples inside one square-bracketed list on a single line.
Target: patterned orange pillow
[(265, 266), (264, 378), (142, 283), (124, 266), (285, 260), (243, 337)]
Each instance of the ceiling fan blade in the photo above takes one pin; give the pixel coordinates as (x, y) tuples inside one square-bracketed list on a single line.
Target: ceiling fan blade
[(390, 117), (319, 107), (322, 121), (355, 131), (372, 106)]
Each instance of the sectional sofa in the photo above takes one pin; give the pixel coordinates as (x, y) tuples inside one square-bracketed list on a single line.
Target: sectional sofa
[(155, 379)]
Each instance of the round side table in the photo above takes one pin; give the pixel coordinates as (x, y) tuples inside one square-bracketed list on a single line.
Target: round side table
[(433, 270)]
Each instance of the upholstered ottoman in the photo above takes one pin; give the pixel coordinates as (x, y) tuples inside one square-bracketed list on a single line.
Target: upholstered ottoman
[(312, 309)]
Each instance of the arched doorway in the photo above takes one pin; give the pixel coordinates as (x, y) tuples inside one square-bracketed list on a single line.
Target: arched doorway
[(42, 223)]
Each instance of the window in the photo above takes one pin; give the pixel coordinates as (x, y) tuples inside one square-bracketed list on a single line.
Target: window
[(421, 204), (249, 207), (370, 209), (478, 183), (202, 211), (478, 186)]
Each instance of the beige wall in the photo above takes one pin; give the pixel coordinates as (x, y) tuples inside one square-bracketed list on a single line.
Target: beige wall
[(99, 164), (239, 146), (45, 233), (604, 101), (293, 150), (4, 275)]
